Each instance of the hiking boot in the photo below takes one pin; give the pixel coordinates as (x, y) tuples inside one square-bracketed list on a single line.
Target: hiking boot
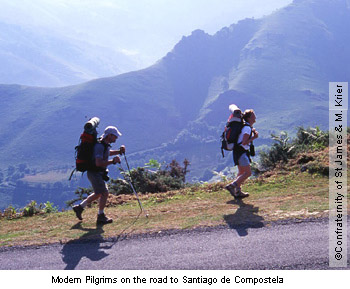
[(102, 219), (78, 211), (232, 188), (241, 195)]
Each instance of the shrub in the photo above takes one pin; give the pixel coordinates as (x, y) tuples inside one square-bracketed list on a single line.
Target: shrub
[(281, 151), (318, 168), (153, 164), (49, 208), (10, 212), (31, 209), (82, 194), (311, 139), (146, 181), (284, 148)]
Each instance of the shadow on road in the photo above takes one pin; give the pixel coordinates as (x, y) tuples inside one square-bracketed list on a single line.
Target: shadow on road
[(244, 218), (92, 249), (90, 245)]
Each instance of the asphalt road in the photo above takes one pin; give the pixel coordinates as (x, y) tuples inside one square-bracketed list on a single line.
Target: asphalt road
[(289, 245)]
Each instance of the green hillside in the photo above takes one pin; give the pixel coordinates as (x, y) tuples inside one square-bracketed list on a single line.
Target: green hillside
[(279, 65), (276, 65), (295, 189), (284, 196)]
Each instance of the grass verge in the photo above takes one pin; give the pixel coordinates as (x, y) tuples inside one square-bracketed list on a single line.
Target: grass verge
[(279, 196)]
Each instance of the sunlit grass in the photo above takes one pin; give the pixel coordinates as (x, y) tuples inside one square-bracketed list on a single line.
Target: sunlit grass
[(296, 195)]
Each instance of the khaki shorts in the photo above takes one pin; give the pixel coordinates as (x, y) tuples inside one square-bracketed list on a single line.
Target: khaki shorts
[(243, 161), (97, 182)]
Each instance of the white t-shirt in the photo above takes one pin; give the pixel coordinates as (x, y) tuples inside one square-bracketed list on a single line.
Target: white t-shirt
[(245, 130)]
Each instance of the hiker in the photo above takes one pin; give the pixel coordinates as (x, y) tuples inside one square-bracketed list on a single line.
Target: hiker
[(98, 176), (241, 154)]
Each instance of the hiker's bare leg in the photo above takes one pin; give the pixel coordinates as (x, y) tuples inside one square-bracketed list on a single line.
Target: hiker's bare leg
[(92, 198), (244, 172), (101, 218), (103, 200), (240, 172)]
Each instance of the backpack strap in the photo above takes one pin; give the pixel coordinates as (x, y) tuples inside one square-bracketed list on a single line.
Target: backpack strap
[(251, 131), (71, 174), (105, 147)]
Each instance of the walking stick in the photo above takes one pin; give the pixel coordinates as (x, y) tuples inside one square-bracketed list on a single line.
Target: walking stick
[(129, 180)]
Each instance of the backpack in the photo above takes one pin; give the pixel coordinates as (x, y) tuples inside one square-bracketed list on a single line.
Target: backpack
[(230, 135), (85, 149), (232, 129)]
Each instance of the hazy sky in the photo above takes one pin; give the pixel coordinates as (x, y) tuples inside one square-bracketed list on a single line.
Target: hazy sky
[(144, 29)]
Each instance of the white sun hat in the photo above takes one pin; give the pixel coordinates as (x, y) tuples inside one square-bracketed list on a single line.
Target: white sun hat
[(111, 130)]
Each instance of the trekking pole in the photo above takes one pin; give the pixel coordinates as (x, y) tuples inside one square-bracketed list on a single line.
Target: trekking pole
[(133, 189), (127, 164)]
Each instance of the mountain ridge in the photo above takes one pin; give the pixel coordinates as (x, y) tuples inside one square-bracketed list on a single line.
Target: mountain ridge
[(280, 65), (37, 57)]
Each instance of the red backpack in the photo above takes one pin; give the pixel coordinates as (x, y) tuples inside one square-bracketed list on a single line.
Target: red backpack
[(84, 150)]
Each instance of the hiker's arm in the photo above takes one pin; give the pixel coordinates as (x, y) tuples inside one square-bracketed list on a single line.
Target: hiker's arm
[(117, 152), (255, 134), (101, 163), (247, 139)]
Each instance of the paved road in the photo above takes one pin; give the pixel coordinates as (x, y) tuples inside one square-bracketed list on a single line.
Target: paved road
[(292, 245)]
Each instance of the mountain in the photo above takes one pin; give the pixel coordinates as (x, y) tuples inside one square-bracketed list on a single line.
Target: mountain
[(38, 57), (279, 65)]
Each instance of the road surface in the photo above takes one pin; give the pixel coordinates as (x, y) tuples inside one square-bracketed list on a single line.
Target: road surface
[(288, 245)]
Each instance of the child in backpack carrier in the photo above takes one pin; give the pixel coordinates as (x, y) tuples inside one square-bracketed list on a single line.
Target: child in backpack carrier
[(242, 153), (232, 129)]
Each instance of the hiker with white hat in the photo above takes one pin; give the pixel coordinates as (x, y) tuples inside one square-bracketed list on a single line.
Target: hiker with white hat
[(99, 175)]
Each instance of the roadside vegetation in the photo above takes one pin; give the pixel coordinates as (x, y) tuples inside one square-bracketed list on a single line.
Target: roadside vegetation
[(29, 210), (291, 181), (285, 149)]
